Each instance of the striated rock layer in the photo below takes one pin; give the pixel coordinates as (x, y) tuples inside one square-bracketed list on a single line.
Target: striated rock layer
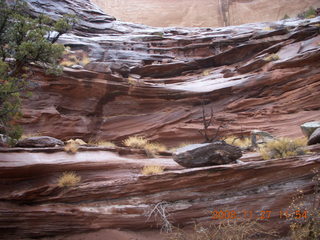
[(202, 13), (153, 81), (113, 194)]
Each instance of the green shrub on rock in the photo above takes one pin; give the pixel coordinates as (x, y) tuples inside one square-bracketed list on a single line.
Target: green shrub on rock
[(25, 41)]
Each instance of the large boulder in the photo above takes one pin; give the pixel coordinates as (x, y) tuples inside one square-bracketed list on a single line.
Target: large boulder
[(206, 154), (315, 137), (309, 127), (42, 141)]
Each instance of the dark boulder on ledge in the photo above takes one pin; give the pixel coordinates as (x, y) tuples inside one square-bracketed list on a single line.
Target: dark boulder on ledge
[(315, 137), (42, 141), (207, 154)]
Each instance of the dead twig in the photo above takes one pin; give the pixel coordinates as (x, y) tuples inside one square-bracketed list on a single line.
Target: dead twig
[(159, 212)]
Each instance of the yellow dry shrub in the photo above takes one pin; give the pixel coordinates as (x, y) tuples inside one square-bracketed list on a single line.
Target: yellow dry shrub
[(239, 142), (75, 58), (283, 147), (268, 29), (152, 169), (77, 141), (68, 179), (225, 230), (271, 57), (153, 148), (206, 73), (71, 148), (102, 143), (135, 142), (106, 144)]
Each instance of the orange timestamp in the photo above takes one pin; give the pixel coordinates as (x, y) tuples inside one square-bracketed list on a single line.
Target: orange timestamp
[(258, 215)]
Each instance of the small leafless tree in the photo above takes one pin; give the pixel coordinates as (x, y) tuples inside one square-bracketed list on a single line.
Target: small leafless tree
[(207, 122), (161, 215)]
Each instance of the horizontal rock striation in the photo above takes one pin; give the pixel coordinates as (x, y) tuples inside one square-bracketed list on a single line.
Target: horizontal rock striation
[(153, 81), (202, 13), (113, 193), (129, 79)]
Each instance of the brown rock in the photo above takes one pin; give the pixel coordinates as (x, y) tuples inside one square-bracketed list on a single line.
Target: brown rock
[(114, 194), (202, 13), (315, 137), (102, 101), (207, 154), (309, 127), (39, 142)]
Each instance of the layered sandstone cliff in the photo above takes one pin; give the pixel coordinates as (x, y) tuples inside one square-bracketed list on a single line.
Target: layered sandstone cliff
[(154, 81), (129, 79), (202, 13)]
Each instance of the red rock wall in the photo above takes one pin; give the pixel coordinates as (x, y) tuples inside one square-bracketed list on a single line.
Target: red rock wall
[(152, 81), (202, 13)]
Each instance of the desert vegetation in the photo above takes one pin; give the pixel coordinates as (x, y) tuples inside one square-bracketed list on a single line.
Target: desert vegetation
[(68, 179), (71, 147), (305, 222), (102, 144), (271, 57), (24, 42), (151, 148), (225, 230), (135, 142), (152, 169), (283, 147), (243, 142)]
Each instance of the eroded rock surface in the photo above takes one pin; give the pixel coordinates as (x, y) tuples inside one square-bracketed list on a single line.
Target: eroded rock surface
[(315, 137), (153, 81), (309, 127), (113, 193), (202, 13)]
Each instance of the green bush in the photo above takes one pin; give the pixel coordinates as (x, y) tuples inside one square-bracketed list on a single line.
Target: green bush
[(24, 41)]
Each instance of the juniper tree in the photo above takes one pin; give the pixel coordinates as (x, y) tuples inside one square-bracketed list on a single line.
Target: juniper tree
[(25, 42)]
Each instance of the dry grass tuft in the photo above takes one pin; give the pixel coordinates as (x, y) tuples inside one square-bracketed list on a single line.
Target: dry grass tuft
[(135, 142), (102, 144), (153, 148), (71, 148), (76, 141), (152, 169), (305, 223), (29, 135), (239, 142), (268, 29), (283, 148), (271, 57), (226, 230), (68, 179)]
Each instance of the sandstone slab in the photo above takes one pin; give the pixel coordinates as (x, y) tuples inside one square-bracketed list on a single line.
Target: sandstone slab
[(309, 127), (114, 194)]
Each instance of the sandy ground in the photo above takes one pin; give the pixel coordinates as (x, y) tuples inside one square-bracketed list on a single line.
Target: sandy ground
[(108, 234)]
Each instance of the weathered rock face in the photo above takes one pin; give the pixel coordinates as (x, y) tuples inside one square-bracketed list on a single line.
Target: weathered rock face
[(152, 81), (309, 127), (315, 137), (202, 13), (207, 154), (113, 193), (42, 141)]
